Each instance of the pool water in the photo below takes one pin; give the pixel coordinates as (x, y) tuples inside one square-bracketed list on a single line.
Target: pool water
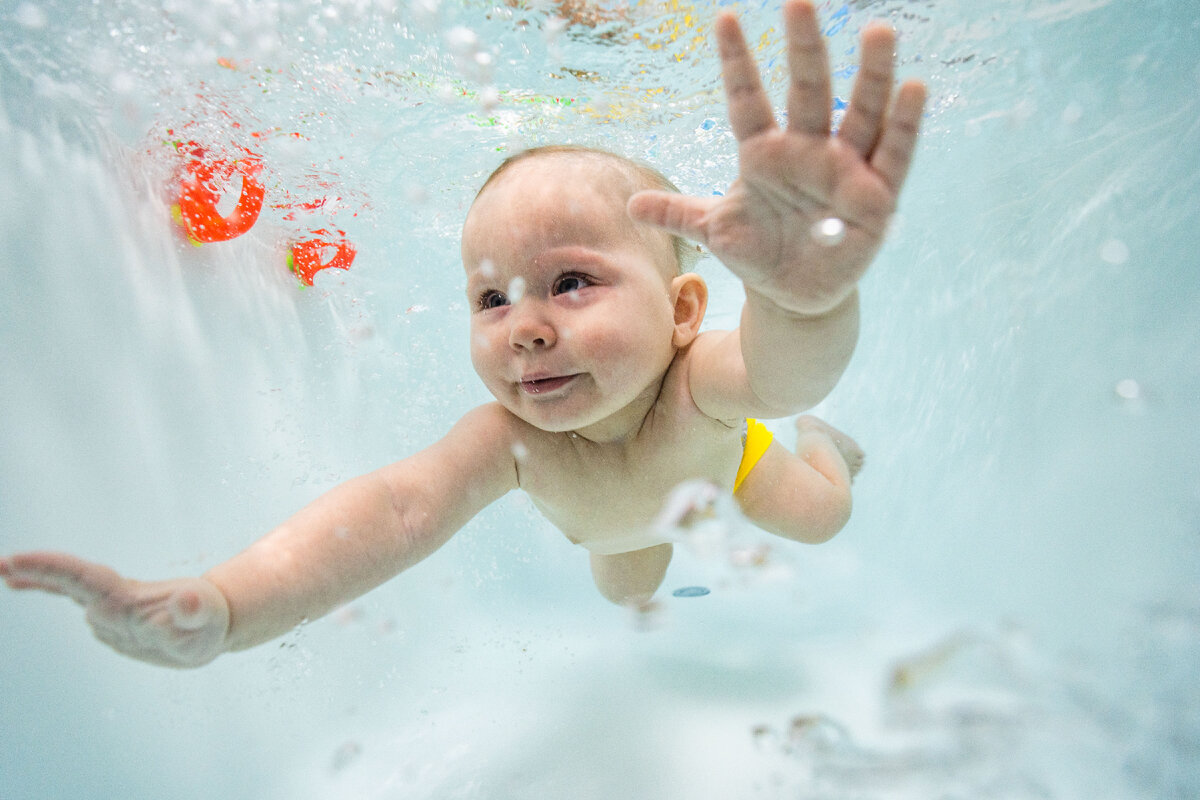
[(1012, 612)]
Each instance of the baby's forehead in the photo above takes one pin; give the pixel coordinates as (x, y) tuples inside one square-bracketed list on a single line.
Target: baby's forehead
[(559, 196), (581, 170)]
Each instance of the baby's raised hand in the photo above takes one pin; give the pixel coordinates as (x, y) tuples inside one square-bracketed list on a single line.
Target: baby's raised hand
[(175, 623), (809, 210)]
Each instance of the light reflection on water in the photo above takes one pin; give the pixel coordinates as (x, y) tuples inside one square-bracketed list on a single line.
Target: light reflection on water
[(1011, 612)]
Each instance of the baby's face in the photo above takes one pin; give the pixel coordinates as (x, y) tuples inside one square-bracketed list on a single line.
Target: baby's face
[(571, 310)]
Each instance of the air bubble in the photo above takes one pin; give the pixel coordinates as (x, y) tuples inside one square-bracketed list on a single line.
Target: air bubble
[(516, 289), (462, 41), (520, 451), (417, 195), (487, 268), (687, 503), (345, 755), (1128, 389), (123, 83), (828, 232), (30, 16), (489, 98), (553, 28), (1114, 251)]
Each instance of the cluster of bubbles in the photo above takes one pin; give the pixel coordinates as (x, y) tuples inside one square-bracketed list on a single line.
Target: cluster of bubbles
[(996, 714)]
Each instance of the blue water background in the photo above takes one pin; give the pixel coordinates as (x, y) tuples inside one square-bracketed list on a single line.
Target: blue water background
[(1012, 611)]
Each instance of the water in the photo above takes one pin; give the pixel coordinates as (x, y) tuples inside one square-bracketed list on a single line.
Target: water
[(1012, 611)]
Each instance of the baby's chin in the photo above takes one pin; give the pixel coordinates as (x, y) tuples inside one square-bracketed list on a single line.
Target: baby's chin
[(547, 421)]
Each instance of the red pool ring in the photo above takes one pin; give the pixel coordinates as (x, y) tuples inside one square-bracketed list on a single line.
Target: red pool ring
[(198, 199), (305, 256)]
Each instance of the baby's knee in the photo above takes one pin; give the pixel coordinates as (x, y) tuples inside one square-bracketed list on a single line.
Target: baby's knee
[(631, 579)]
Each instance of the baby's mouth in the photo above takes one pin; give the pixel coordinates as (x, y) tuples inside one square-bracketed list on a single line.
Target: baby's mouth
[(545, 385)]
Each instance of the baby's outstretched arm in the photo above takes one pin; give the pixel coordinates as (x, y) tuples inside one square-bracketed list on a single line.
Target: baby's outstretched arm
[(342, 545), (801, 223)]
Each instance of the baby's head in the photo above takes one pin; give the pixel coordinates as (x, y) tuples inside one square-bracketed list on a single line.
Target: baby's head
[(577, 311), (583, 163)]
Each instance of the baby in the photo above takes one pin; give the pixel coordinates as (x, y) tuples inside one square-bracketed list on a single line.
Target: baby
[(585, 326)]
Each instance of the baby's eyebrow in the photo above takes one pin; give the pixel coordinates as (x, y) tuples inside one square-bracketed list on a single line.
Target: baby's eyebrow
[(573, 253)]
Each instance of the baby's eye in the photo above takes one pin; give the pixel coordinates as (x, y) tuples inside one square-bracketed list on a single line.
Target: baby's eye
[(571, 282), (492, 299)]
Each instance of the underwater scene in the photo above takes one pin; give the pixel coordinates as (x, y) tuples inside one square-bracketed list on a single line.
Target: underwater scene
[(229, 243)]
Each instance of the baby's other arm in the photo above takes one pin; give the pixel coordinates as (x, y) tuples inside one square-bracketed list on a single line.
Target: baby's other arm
[(345, 543), (800, 321)]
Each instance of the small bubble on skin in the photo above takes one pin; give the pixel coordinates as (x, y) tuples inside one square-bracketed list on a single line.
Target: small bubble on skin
[(516, 289), (487, 268), (520, 451), (828, 232), (1114, 251)]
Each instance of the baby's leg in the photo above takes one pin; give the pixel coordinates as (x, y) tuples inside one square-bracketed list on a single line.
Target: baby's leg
[(803, 496), (631, 579), (808, 425)]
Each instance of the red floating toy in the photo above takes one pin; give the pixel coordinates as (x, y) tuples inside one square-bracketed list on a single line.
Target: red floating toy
[(199, 195), (304, 259)]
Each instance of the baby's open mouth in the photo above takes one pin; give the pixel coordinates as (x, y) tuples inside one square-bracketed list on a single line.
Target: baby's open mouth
[(544, 385)]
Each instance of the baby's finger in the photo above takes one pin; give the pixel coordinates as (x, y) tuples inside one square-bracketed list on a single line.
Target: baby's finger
[(749, 107), (59, 573), (810, 95), (675, 213), (894, 152), (872, 89)]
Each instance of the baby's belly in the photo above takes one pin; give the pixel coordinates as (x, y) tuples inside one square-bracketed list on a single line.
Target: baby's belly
[(612, 545), (613, 533)]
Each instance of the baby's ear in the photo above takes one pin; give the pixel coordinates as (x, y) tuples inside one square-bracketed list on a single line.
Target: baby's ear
[(689, 297)]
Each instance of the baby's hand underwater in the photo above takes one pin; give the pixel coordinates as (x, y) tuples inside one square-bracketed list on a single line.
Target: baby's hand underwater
[(810, 209), (175, 623)]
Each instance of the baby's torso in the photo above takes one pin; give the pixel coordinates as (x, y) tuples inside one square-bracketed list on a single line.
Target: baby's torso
[(607, 497)]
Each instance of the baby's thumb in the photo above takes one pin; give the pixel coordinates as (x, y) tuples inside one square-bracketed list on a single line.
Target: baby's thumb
[(674, 213)]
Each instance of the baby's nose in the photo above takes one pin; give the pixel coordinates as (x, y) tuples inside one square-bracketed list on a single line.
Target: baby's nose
[(531, 330)]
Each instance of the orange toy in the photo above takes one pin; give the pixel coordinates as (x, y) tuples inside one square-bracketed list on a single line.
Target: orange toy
[(199, 195), (304, 259)]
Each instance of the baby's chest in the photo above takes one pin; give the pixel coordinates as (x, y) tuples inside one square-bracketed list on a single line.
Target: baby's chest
[(608, 500)]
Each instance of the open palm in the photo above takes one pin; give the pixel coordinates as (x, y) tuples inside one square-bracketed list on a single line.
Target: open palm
[(809, 209), (175, 623)]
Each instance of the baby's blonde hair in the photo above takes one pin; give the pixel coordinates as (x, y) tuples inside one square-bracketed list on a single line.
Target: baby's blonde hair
[(644, 175)]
